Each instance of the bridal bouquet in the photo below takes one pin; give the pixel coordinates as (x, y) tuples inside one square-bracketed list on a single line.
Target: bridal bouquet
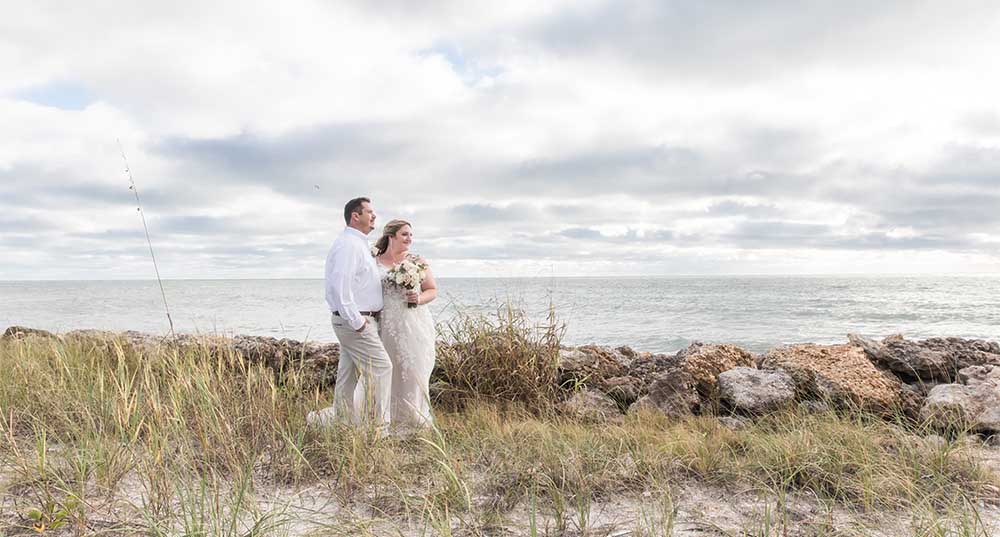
[(408, 274)]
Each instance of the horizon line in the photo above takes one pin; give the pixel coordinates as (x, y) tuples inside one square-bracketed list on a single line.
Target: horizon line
[(588, 276)]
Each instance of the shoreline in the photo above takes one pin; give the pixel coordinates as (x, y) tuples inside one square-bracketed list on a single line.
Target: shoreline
[(937, 380)]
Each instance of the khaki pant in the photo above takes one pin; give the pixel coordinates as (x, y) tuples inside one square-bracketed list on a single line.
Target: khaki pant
[(362, 353)]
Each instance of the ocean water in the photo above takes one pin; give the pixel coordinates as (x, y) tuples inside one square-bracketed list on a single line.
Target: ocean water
[(658, 314)]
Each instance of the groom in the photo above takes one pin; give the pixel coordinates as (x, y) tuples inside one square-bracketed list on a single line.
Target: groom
[(354, 294)]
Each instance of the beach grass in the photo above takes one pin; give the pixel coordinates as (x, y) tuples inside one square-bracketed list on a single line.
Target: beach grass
[(97, 436)]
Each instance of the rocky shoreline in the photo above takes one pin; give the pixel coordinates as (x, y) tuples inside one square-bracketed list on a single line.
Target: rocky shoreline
[(951, 384)]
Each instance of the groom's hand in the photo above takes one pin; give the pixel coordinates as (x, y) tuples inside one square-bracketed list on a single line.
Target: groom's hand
[(363, 326)]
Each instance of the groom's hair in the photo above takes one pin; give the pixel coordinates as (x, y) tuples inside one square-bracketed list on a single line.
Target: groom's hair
[(353, 206)]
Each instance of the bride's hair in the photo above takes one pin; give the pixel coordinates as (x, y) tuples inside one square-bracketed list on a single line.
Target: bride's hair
[(390, 229)]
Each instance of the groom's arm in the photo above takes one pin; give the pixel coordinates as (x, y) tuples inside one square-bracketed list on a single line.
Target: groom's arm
[(341, 266)]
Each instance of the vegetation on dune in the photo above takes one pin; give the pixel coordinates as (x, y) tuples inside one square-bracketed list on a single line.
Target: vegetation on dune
[(97, 436), (503, 359)]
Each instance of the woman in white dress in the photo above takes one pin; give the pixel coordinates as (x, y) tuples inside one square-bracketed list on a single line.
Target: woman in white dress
[(408, 333)]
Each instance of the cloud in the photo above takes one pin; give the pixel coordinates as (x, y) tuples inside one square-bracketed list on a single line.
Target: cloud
[(582, 137)]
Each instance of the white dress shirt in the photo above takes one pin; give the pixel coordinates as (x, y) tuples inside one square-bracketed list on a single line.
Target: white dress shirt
[(353, 283)]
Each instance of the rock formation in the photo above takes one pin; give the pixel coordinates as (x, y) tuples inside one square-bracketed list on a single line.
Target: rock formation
[(756, 391), (839, 374), (973, 404), (948, 382)]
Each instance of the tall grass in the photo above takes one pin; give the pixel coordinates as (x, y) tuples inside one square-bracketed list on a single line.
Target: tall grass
[(102, 436), (505, 358)]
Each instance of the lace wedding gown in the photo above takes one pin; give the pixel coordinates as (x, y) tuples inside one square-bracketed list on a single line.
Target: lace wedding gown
[(408, 335)]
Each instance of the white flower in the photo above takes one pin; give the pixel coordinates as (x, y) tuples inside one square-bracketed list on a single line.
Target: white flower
[(408, 273)]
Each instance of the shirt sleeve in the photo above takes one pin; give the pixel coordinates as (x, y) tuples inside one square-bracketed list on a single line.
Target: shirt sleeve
[(340, 268)]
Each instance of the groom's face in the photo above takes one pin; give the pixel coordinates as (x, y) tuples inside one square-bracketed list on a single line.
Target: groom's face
[(365, 218)]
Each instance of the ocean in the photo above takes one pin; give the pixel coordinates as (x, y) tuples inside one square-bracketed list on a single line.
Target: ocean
[(657, 314)]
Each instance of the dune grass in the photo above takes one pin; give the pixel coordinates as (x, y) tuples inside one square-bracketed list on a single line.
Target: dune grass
[(98, 437)]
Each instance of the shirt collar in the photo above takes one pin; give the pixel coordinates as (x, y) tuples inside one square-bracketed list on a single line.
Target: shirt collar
[(355, 233)]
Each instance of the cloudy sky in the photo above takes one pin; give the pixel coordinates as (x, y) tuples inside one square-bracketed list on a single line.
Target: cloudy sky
[(535, 138)]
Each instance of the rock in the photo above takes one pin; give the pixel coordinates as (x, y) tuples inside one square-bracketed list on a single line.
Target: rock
[(129, 341), (624, 390), (626, 351), (911, 401), (871, 347), (979, 374), (965, 352), (911, 360), (317, 361), (813, 407), (933, 359), (923, 387), (21, 332), (988, 421), (590, 366), (756, 391), (959, 407), (647, 367), (699, 365), (842, 375), (591, 406), (672, 392), (734, 423), (705, 361)]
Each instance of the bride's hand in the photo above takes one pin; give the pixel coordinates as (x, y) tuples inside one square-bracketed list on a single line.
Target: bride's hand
[(413, 297)]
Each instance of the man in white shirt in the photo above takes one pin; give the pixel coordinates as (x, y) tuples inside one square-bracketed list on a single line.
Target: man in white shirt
[(354, 294)]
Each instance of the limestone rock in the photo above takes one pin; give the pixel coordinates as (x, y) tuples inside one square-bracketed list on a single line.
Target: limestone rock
[(910, 359), (965, 352), (591, 406), (316, 360), (21, 332), (912, 401), (647, 367), (627, 352), (624, 390), (705, 361), (871, 347), (930, 360), (698, 365), (756, 391), (672, 392), (734, 423), (979, 374), (840, 374), (590, 366), (813, 407), (958, 406)]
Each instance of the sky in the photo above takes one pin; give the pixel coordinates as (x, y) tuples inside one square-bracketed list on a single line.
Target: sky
[(563, 138)]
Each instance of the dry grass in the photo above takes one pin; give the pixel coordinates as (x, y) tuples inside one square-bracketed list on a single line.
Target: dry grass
[(97, 437), (502, 359)]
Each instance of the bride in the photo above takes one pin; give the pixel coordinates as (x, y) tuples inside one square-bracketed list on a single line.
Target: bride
[(408, 333)]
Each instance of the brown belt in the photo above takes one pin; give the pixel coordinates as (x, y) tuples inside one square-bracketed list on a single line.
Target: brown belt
[(372, 314)]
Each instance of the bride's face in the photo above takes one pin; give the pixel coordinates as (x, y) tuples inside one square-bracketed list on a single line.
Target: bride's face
[(403, 238)]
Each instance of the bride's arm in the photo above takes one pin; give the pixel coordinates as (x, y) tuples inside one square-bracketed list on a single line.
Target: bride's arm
[(428, 289)]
